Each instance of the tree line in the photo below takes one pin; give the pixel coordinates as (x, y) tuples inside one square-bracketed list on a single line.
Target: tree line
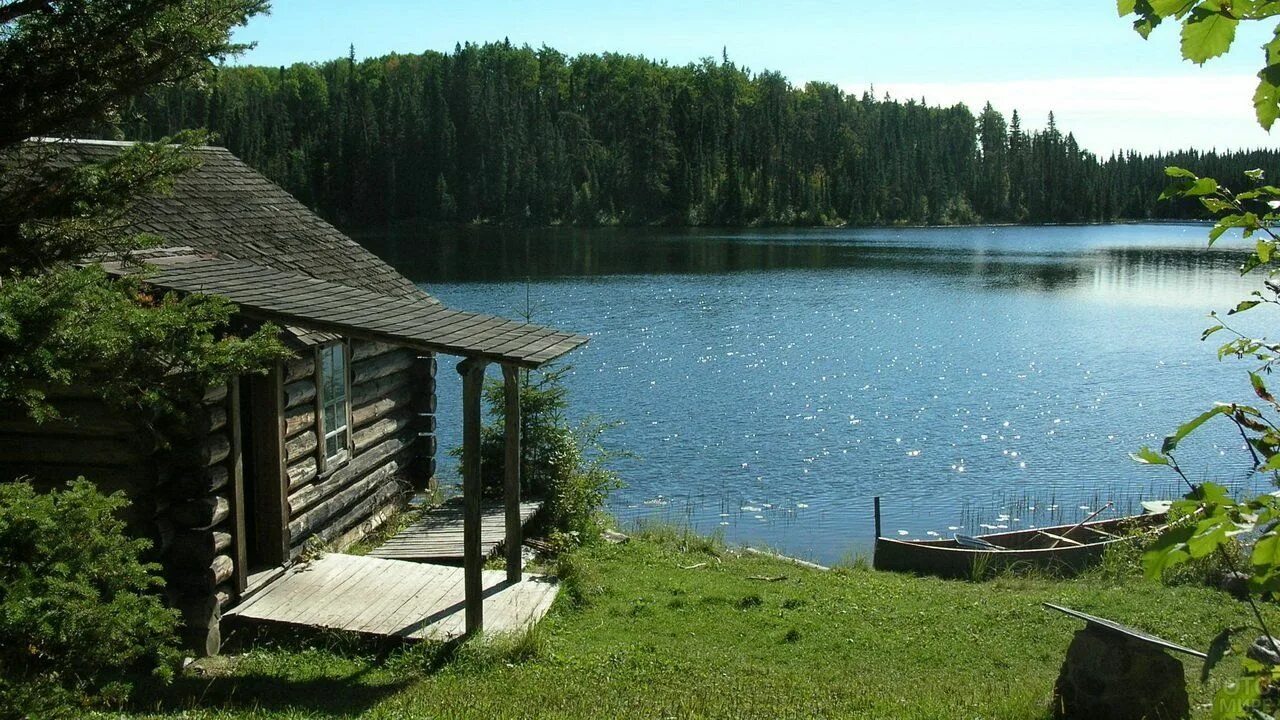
[(505, 134)]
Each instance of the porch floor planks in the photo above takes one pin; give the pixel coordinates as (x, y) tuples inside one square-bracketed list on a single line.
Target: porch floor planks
[(437, 535), (394, 598)]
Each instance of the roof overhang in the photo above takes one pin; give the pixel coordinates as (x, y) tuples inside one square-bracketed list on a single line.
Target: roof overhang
[(294, 299)]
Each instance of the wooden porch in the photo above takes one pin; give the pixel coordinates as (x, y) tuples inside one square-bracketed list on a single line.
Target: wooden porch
[(438, 535), (394, 598)]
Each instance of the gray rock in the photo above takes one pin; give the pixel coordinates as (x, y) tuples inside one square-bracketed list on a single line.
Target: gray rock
[(1235, 583), (1264, 651), (1107, 676)]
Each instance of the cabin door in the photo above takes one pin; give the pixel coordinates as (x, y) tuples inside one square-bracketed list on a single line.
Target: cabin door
[(262, 508)]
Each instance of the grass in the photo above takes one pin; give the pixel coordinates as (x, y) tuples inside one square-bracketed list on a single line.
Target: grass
[(671, 625)]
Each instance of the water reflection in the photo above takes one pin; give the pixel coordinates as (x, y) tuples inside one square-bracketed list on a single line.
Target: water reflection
[(772, 382)]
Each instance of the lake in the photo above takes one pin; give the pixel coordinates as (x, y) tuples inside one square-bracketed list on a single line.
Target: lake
[(772, 382)]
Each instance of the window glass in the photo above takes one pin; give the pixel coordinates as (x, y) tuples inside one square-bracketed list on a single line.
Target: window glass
[(334, 399)]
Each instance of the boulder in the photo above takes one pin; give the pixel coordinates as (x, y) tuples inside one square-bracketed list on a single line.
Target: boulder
[(1109, 676)]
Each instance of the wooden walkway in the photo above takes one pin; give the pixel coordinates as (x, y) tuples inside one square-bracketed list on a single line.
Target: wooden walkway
[(437, 535), (394, 598)]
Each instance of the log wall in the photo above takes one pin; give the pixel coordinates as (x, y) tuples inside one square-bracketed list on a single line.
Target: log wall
[(197, 479), (338, 504)]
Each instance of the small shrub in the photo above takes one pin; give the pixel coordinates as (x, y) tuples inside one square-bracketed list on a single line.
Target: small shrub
[(79, 613), (578, 579), (792, 636), (750, 601), (565, 465)]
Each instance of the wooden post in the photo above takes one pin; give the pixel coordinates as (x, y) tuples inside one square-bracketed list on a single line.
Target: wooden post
[(877, 506), (240, 548), (472, 372), (271, 481), (511, 478)]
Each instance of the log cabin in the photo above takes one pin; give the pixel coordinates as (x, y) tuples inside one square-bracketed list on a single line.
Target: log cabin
[(320, 449)]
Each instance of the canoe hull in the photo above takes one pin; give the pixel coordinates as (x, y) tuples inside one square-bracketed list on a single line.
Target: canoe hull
[(945, 558)]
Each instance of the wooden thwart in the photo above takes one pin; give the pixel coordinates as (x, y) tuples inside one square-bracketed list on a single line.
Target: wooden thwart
[(394, 598), (437, 536)]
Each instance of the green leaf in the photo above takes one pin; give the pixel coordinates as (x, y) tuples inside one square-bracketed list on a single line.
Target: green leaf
[(1147, 456), (1168, 550), (1209, 331), (1216, 205), (1125, 7), (1266, 101), (1165, 8), (1202, 186), (1233, 700), (1255, 174), (1266, 552), (1207, 34), (1210, 534), (1174, 171), (1271, 465), (1171, 442), (1264, 249), (1242, 306)]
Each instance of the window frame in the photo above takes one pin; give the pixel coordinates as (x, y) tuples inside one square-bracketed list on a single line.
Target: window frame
[(325, 462)]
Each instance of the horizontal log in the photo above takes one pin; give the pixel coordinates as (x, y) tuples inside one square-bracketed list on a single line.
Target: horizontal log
[(381, 366), (380, 483), (362, 415), (367, 392), (204, 580), (207, 419), (424, 402), (425, 368), (199, 610), (299, 418), (42, 449), (197, 482), (363, 519), (215, 394), (363, 349), (300, 367), (196, 548), (371, 435), (300, 446), (426, 445), (213, 449), (302, 472), (361, 464), (426, 424), (200, 513), (298, 392)]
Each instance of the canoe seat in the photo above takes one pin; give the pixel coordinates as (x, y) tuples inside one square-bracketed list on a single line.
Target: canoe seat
[(974, 543), (1060, 538)]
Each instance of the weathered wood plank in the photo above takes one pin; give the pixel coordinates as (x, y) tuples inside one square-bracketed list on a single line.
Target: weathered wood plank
[(393, 598), (381, 366)]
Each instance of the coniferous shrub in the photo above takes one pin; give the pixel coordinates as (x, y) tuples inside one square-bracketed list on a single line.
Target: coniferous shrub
[(563, 463), (79, 613)]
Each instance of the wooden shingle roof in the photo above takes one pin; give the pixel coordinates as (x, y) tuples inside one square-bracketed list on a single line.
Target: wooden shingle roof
[(225, 207), (295, 299)]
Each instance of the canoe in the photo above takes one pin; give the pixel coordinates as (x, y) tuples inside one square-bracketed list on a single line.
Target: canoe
[(1061, 548)]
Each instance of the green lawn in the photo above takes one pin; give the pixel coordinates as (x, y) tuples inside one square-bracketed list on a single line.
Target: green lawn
[(651, 639)]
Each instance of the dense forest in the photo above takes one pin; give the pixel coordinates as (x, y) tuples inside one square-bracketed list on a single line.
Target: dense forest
[(497, 133)]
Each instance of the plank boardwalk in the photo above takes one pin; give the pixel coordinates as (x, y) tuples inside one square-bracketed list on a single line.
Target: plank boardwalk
[(437, 535), (394, 598)]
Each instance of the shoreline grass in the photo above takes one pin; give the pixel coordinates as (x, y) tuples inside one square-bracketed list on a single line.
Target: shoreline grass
[(674, 625)]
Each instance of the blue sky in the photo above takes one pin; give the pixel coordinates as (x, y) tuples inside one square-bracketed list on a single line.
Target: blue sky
[(1079, 59)]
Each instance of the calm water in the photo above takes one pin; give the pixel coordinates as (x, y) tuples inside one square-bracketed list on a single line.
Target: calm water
[(772, 382)]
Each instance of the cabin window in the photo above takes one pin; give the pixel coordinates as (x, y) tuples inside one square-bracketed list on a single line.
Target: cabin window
[(335, 402)]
